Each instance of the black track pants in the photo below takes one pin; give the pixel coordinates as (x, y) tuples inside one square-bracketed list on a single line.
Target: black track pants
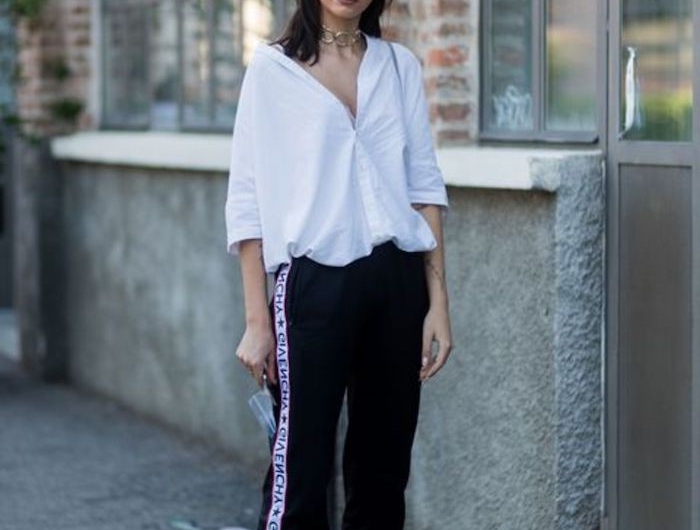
[(356, 327)]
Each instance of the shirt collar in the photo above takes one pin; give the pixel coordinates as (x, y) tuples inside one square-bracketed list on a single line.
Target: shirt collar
[(276, 53)]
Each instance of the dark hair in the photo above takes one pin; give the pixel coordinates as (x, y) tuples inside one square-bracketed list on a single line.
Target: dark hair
[(302, 32)]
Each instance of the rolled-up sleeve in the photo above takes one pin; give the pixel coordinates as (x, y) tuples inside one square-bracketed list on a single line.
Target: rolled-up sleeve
[(425, 180), (241, 207)]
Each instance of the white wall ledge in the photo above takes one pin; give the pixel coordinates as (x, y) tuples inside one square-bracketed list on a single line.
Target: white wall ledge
[(475, 166), (503, 167), (165, 150)]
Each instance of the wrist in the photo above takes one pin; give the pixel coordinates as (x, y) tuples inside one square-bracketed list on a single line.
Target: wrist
[(439, 299), (259, 319)]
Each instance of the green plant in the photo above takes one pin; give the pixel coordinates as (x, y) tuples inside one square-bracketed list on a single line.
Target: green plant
[(666, 117), (29, 9), (57, 68), (66, 109)]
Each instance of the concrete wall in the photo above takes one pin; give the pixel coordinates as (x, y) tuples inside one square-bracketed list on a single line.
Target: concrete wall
[(37, 264), (153, 300), (509, 434), (485, 448)]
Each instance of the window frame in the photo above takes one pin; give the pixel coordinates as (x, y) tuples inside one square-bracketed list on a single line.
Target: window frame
[(539, 133), (180, 126)]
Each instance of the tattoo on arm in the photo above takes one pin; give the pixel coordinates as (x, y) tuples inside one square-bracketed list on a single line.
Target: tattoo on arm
[(260, 255), (433, 269)]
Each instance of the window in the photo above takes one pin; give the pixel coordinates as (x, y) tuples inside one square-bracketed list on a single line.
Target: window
[(656, 74), (540, 70), (178, 64)]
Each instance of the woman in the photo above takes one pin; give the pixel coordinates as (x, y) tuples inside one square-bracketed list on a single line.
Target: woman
[(334, 188)]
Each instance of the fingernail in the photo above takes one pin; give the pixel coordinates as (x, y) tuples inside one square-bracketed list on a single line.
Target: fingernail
[(425, 361)]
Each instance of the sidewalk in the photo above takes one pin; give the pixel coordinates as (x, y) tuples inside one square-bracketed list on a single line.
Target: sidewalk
[(73, 461)]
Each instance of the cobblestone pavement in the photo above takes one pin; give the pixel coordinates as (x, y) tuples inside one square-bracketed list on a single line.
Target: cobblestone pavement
[(70, 460)]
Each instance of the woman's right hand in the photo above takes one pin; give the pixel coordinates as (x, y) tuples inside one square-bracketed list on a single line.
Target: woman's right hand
[(257, 351), (257, 348)]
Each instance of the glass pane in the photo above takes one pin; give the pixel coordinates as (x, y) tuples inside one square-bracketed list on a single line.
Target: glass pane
[(571, 65), (125, 84), (214, 60), (164, 71), (657, 69), (259, 22), (197, 68), (228, 63), (509, 106), (141, 47)]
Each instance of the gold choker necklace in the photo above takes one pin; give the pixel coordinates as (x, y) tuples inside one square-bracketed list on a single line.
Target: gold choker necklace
[(341, 38)]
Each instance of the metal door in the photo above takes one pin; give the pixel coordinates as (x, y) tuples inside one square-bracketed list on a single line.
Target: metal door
[(653, 267)]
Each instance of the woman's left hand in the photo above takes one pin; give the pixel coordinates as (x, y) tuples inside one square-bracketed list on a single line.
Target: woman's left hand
[(436, 326)]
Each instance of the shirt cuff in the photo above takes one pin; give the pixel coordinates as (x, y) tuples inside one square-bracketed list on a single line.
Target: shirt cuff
[(235, 238), (438, 198)]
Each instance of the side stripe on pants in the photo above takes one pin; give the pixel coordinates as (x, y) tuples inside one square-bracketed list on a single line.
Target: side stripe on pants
[(279, 452)]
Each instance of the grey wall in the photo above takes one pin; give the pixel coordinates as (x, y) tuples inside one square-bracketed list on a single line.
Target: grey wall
[(37, 264), (485, 448), (509, 433), (153, 300)]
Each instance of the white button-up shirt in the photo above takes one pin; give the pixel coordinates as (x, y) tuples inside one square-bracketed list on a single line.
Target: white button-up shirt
[(308, 179)]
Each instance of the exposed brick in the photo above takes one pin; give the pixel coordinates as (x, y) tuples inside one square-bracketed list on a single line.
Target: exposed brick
[(446, 8), (454, 137), (449, 29), (450, 112), (454, 55), (62, 34), (448, 84), (397, 9), (443, 34), (82, 40), (420, 12)]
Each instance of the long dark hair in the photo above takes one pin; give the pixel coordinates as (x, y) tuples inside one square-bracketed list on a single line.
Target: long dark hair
[(302, 32)]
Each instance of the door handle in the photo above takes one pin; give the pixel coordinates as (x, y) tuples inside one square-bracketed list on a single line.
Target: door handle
[(632, 107)]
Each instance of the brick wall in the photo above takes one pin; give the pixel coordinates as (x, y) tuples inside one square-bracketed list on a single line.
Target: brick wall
[(444, 35), (54, 58)]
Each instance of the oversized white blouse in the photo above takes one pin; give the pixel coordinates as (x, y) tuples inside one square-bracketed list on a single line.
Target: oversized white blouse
[(308, 179)]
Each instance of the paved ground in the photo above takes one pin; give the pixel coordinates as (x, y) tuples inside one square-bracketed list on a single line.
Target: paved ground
[(73, 461)]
